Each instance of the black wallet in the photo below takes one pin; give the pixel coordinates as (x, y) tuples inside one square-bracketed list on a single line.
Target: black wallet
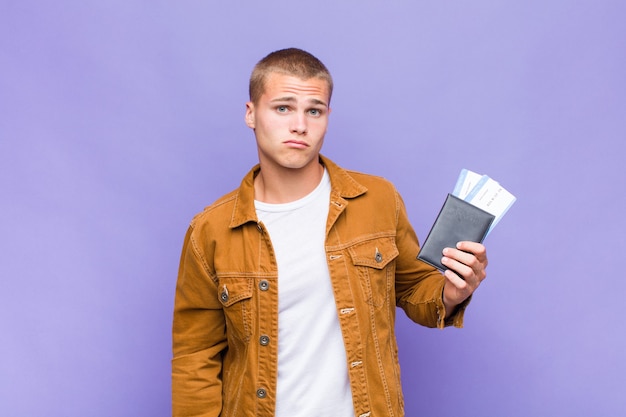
[(457, 220)]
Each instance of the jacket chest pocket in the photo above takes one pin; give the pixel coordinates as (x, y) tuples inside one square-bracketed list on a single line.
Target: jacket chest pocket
[(235, 294), (373, 262)]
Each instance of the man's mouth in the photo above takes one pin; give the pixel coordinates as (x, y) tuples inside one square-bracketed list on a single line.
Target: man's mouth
[(296, 144)]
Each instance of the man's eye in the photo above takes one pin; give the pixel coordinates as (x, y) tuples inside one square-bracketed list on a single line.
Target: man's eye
[(314, 112), (281, 109)]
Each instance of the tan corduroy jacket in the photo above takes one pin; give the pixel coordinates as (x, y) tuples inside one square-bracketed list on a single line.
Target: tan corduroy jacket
[(226, 308)]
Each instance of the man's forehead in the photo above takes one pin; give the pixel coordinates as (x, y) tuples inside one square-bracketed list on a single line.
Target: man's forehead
[(277, 81), (287, 85)]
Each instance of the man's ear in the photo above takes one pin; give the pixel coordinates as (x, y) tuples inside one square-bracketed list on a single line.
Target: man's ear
[(250, 115)]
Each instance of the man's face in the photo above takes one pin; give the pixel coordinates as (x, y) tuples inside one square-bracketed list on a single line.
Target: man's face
[(289, 121)]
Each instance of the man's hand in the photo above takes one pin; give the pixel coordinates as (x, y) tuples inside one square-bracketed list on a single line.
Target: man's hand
[(469, 261)]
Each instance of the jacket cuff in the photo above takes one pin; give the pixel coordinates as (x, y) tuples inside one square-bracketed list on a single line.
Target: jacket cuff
[(456, 318)]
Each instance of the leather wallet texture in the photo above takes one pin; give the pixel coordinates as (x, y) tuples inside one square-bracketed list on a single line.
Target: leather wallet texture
[(457, 220)]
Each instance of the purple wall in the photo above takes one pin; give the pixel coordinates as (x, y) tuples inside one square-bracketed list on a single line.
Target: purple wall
[(119, 120)]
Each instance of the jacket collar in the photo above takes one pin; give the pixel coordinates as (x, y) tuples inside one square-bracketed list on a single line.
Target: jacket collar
[(342, 184)]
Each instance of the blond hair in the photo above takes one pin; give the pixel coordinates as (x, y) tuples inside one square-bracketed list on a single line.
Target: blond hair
[(290, 61)]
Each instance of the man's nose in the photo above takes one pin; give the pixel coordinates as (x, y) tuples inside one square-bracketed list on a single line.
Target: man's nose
[(299, 124)]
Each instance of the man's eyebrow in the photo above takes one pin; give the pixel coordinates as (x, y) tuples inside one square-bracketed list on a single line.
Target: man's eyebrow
[(290, 99), (320, 102), (282, 99)]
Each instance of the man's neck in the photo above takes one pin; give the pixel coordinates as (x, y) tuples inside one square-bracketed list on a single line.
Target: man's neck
[(284, 185)]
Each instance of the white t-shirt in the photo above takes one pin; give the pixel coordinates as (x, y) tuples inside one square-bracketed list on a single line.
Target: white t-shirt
[(312, 366)]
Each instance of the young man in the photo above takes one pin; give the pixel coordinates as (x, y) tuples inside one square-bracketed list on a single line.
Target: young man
[(287, 288)]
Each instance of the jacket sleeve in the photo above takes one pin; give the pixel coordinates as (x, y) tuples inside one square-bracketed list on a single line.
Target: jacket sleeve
[(198, 337), (419, 286)]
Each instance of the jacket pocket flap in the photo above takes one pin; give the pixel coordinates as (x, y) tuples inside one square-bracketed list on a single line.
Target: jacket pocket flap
[(375, 253), (234, 290)]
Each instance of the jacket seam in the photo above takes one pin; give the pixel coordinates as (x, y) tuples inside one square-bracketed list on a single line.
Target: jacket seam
[(198, 254)]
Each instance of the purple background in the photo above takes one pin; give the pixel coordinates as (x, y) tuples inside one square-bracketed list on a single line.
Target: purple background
[(119, 120)]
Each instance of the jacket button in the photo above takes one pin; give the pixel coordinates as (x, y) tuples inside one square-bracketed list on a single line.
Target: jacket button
[(224, 296), (264, 340), (378, 257), (264, 285), (261, 393)]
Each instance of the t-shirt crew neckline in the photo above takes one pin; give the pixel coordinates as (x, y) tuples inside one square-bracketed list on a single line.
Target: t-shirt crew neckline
[(296, 204)]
